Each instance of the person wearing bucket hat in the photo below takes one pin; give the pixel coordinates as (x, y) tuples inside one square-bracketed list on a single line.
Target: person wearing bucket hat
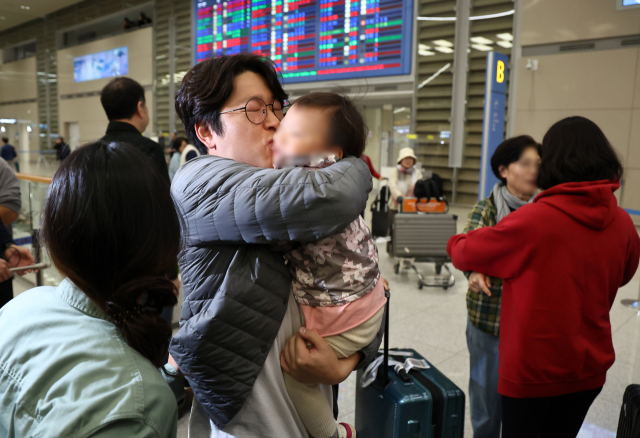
[(402, 180)]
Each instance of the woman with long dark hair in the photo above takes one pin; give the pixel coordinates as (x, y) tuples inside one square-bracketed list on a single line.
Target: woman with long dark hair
[(562, 259), (81, 359)]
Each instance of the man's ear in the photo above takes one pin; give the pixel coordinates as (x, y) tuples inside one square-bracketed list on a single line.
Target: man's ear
[(206, 135), (141, 110)]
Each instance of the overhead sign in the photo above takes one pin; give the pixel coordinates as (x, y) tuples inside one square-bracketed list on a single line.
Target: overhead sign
[(493, 119), (310, 40)]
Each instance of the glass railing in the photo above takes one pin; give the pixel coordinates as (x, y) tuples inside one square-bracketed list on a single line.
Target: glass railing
[(33, 190)]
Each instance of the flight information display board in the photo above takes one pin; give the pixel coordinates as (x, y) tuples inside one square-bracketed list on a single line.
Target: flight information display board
[(310, 40)]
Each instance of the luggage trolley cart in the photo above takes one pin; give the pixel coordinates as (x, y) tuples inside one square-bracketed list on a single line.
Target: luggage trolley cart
[(423, 237)]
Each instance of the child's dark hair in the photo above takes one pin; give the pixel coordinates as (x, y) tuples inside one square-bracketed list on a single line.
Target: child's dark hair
[(348, 129)]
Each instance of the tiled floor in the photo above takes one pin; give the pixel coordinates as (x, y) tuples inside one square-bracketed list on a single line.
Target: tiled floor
[(433, 322)]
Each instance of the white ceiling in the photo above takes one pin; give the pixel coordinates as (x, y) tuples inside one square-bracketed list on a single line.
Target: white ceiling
[(13, 14)]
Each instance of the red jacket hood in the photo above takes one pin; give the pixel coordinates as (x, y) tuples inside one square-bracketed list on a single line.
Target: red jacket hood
[(589, 203)]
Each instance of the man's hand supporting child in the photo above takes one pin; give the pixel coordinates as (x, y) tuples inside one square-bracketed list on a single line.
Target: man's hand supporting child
[(315, 364)]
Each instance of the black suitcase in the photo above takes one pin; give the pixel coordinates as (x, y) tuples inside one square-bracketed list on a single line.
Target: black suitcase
[(629, 424), (421, 404), (380, 213)]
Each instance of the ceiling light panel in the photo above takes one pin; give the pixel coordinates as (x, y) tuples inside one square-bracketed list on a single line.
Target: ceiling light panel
[(443, 49), (505, 36), (481, 47), (444, 43), (481, 40)]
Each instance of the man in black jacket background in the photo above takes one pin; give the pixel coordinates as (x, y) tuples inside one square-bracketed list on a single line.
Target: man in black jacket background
[(123, 101)]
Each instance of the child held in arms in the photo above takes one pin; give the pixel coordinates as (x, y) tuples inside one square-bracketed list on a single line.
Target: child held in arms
[(336, 280)]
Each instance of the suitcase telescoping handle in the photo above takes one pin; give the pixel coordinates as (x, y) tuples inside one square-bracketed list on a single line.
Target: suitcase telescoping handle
[(383, 377)]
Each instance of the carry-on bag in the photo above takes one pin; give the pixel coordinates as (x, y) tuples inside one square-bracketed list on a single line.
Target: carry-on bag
[(629, 423), (380, 213), (429, 188), (410, 400)]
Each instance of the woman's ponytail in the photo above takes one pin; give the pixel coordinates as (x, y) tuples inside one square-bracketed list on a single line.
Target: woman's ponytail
[(136, 308)]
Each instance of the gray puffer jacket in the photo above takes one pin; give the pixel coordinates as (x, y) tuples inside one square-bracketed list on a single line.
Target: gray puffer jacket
[(236, 288)]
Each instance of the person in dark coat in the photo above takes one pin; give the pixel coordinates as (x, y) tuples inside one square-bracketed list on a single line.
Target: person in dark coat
[(123, 101), (8, 153), (62, 149)]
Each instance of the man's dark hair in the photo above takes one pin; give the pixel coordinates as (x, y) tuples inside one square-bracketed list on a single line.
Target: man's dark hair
[(119, 263), (61, 139), (347, 127), (575, 150), (179, 141), (208, 85), (120, 98), (5, 140), (510, 151)]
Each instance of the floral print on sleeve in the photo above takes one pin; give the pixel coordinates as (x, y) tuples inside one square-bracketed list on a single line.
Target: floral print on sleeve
[(337, 270)]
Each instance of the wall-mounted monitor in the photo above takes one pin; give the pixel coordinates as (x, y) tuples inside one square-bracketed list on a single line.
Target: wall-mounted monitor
[(101, 65), (310, 40), (628, 4)]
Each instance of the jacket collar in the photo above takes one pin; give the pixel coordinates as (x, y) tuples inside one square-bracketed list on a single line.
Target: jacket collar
[(122, 127), (77, 299)]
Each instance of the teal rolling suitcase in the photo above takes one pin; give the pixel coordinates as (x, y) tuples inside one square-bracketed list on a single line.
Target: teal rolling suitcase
[(423, 403)]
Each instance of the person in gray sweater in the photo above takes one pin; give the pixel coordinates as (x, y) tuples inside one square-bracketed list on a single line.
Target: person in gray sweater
[(10, 204), (239, 313)]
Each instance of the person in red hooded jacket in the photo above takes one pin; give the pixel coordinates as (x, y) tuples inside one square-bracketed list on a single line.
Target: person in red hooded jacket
[(563, 259)]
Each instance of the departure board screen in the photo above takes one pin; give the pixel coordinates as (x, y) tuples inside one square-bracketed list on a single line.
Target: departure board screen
[(310, 40)]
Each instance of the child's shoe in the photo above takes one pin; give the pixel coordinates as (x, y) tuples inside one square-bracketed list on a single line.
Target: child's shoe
[(346, 431)]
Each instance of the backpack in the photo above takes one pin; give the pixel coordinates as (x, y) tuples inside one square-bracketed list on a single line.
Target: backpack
[(429, 188)]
